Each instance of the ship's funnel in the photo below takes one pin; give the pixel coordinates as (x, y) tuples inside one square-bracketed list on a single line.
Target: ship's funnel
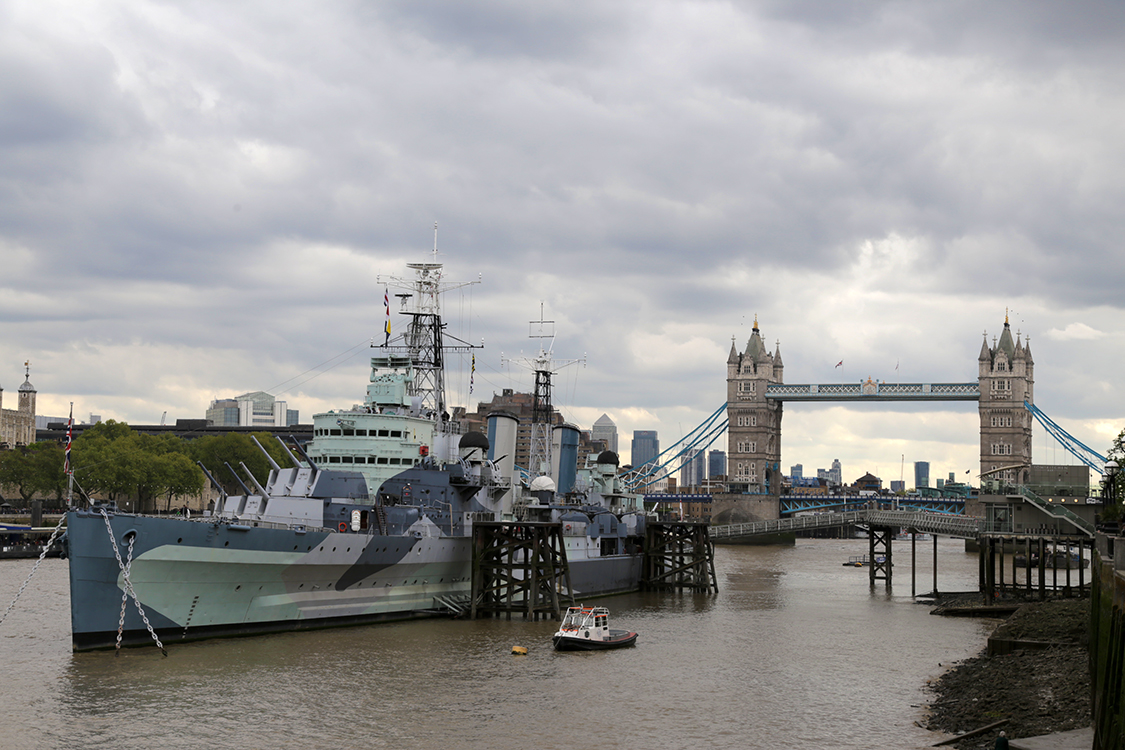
[(502, 428), (564, 456)]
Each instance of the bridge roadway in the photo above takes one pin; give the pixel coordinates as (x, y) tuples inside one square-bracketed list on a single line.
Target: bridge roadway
[(946, 524)]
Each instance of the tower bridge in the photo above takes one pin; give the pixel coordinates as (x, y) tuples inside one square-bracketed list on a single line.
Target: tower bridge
[(757, 391)]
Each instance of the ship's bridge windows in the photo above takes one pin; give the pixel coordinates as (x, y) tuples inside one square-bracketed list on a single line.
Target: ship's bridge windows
[(345, 459), (361, 433), (396, 433), (381, 460), (349, 433), (361, 459), (384, 433), (333, 432), (333, 459), (394, 461)]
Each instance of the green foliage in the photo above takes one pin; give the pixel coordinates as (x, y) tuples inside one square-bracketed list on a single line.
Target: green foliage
[(34, 469), (115, 462), (1116, 453), (216, 451)]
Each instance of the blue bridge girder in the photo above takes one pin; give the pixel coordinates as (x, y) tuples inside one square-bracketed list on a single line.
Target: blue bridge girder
[(873, 390)]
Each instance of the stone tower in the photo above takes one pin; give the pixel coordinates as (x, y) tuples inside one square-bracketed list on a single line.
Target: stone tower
[(1007, 379), (27, 393), (753, 424)]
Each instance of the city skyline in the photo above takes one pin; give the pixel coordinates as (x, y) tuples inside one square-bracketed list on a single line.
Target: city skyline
[(193, 206)]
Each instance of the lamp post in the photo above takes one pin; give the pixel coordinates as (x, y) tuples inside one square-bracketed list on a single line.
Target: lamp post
[(1111, 469)]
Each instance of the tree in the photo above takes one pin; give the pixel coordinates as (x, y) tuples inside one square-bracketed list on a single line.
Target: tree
[(113, 460), (33, 470), (1116, 453), (216, 451)]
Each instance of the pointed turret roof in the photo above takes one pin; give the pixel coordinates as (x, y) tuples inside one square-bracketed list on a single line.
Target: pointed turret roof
[(777, 355), (732, 358), (1007, 345), (1027, 351), (985, 352), (755, 350)]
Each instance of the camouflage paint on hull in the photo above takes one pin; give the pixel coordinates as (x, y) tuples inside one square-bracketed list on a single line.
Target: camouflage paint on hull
[(197, 578), (202, 579)]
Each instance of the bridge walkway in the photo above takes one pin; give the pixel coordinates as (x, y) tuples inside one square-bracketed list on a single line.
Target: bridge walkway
[(944, 524)]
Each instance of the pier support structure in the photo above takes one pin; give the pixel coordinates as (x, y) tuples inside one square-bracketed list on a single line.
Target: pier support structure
[(519, 567), (879, 553), (1043, 559), (678, 555)]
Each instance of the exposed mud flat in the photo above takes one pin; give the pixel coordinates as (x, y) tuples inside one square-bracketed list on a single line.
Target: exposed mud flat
[(1038, 691)]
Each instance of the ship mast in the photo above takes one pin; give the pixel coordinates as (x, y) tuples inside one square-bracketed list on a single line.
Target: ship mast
[(544, 366), (424, 341)]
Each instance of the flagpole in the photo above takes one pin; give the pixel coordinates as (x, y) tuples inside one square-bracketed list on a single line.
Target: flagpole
[(66, 465)]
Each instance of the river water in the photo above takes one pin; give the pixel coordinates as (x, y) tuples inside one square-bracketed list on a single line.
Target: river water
[(795, 651)]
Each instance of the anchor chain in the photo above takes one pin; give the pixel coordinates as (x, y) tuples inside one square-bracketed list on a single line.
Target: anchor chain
[(42, 556), (128, 589)]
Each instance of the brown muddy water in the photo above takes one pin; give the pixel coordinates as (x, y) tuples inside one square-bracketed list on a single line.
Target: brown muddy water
[(795, 651)]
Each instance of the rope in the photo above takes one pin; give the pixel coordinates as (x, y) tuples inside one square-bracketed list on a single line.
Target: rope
[(42, 555)]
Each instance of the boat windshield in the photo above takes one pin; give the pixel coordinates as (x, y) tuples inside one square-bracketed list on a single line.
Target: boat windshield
[(574, 618), (585, 617)]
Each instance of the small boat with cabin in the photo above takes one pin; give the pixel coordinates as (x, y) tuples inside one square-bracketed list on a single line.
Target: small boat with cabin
[(587, 629)]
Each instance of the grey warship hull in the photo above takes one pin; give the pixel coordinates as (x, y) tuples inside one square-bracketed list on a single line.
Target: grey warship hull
[(199, 578), (203, 578)]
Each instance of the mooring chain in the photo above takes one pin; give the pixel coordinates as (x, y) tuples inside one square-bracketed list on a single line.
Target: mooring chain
[(124, 600), (129, 586), (34, 568)]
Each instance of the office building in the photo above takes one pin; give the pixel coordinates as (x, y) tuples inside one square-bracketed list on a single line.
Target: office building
[(645, 447), (716, 464), (921, 474), (251, 410), (691, 468), (605, 429)]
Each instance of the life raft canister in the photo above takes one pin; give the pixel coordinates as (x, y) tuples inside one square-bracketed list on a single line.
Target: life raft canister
[(423, 450)]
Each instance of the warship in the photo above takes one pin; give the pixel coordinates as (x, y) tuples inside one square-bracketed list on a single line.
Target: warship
[(372, 521)]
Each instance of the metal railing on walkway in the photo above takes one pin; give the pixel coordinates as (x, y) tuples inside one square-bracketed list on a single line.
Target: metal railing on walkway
[(1058, 511), (931, 523)]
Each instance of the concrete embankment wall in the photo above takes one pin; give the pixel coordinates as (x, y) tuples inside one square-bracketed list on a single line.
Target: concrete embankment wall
[(1107, 643)]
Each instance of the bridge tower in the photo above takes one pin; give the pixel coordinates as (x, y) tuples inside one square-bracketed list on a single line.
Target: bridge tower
[(1006, 378), (754, 424)]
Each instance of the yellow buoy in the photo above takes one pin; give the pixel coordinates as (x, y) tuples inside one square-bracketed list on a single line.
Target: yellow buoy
[(522, 651)]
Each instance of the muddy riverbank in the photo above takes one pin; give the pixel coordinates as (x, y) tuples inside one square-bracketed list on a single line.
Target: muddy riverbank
[(1036, 690)]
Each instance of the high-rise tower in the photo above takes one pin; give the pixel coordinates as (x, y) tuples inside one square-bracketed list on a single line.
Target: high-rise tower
[(753, 424), (1007, 379)]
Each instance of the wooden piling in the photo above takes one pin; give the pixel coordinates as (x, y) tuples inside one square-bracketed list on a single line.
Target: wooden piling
[(677, 556), (519, 567)]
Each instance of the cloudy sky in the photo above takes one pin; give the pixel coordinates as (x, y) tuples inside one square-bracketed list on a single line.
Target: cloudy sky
[(199, 199)]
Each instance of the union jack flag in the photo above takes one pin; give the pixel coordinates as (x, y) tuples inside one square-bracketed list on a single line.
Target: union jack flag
[(69, 436)]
